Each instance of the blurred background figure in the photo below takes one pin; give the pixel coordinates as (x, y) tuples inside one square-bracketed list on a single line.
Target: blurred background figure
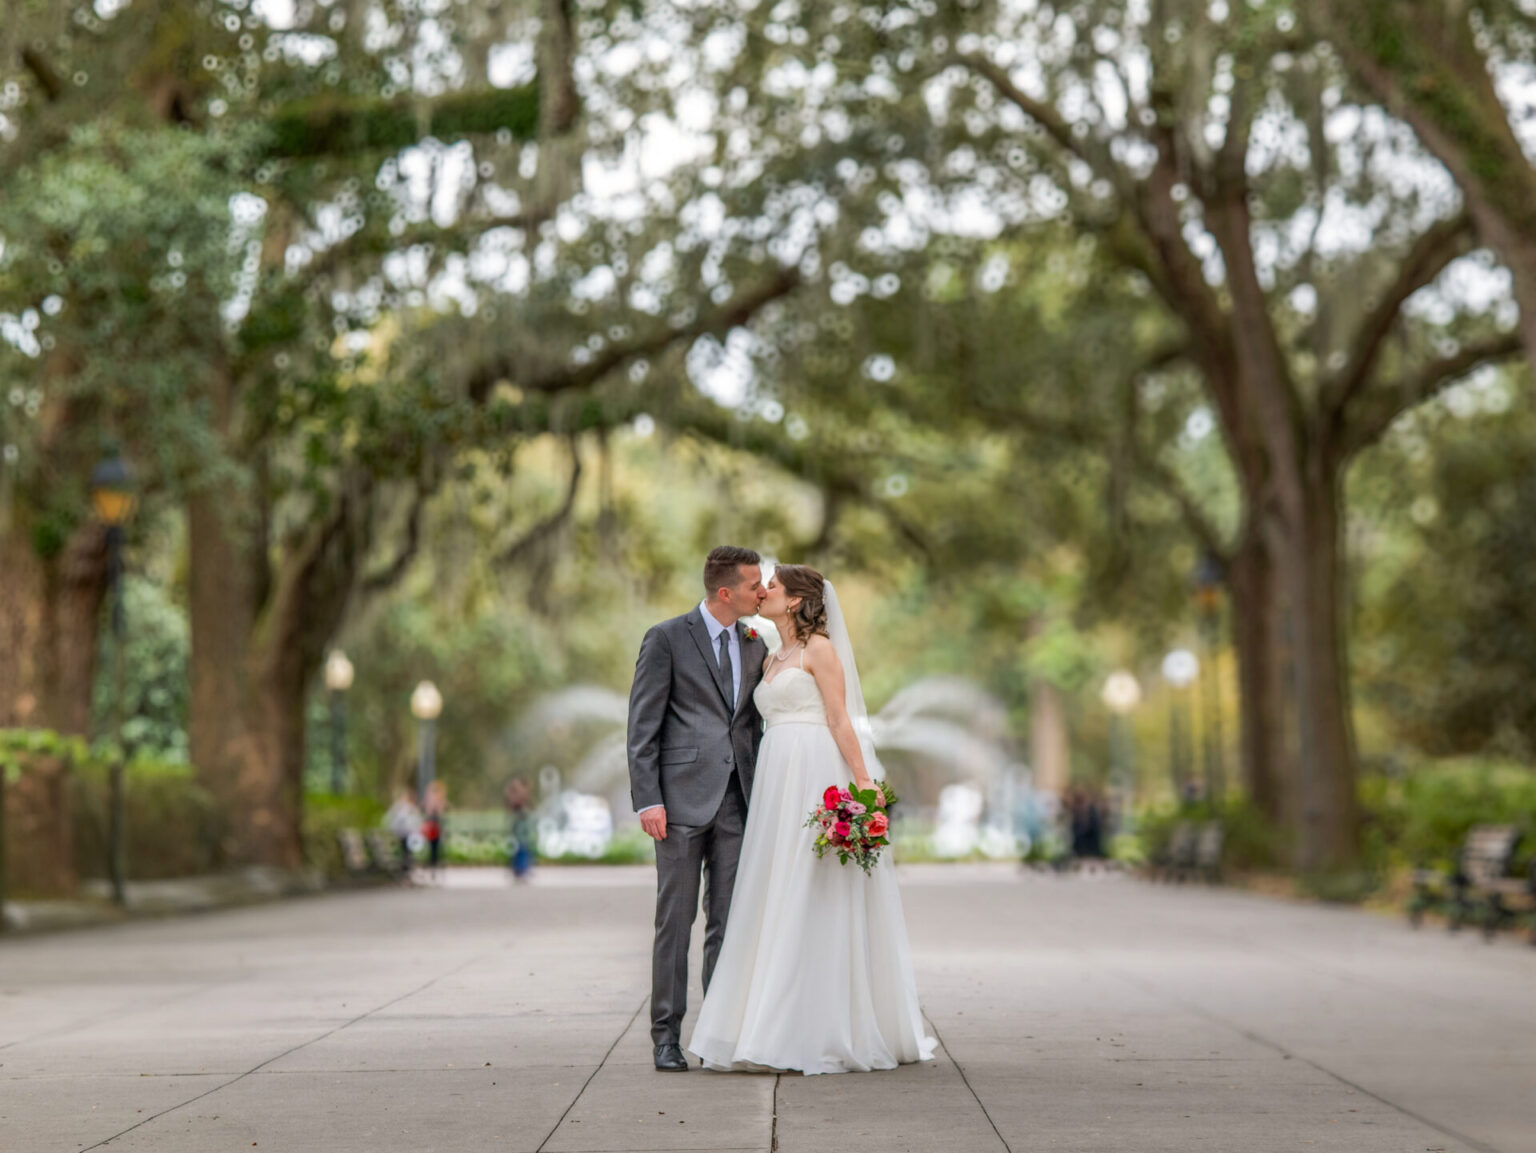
[(434, 812), (1085, 816), (524, 829), (403, 820)]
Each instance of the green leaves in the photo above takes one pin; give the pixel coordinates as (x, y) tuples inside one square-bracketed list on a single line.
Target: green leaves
[(868, 797), (19, 746), (329, 125), (124, 247)]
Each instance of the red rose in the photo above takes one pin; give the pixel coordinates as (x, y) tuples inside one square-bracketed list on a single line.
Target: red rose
[(842, 829), (878, 825), (832, 797)]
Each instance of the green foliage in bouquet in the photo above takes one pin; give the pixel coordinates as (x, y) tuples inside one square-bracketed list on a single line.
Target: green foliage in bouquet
[(856, 836)]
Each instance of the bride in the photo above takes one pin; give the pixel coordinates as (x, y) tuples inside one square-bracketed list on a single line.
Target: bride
[(815, 973)]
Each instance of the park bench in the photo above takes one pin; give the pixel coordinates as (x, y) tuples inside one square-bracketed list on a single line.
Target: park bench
[(384, 853), (1193, 851), (1480, 887), (1176, 857), (369, 856), (354, 853), (1209, 843)]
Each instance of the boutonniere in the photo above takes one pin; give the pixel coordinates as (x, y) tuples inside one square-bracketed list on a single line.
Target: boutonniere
[(751, 634)]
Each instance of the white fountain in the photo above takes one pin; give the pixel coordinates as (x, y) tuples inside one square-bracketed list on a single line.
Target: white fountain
[(943, 740)]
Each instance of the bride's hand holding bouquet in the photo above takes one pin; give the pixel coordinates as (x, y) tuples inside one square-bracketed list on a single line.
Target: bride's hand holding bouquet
[(854, 822)]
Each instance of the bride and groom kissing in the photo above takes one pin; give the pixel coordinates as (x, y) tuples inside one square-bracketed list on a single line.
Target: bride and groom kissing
[(806, 962)]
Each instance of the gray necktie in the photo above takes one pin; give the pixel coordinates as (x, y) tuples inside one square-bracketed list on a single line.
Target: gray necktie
[(725, 666)]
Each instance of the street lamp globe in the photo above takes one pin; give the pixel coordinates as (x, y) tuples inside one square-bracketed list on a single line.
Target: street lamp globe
[(1122, 692), (1180, 668), (426, 702), (112, 495), (338, 672)]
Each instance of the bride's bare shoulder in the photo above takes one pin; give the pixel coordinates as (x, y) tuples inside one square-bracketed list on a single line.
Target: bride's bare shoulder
[(819, 650)]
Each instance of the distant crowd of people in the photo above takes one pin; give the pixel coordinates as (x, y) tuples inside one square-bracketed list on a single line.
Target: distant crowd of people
[(425, 826), (1086, 819)]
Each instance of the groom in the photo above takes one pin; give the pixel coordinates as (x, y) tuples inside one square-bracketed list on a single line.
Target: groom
[(693, 737)]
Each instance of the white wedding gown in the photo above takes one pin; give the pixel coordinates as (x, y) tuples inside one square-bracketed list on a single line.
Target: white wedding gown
[(815, 973)]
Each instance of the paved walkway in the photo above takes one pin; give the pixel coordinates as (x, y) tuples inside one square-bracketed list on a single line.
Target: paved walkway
[(1075, 1014)]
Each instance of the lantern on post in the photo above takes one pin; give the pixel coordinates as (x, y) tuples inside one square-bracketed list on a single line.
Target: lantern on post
[(114, 501), (426, 707), (1180, 668), (338, 680)]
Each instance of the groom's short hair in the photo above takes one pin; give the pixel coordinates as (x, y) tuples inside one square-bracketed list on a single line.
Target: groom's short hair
[(722, 567)]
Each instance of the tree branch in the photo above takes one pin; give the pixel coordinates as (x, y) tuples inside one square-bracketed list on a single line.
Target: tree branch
[(513, 369), (1168, 483), (1054, 125), (1428, 257), (330, 126), (373, 241), (390, 574), (838, 479), (47, 79), (1378, 408), (548, 526), (1262, 374)]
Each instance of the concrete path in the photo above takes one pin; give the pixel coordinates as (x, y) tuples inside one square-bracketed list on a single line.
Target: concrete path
[(1075, 1013)]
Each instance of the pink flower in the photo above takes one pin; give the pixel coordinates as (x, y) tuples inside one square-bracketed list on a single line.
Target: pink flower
[(878, 824), (855, 808), (842, 829), (844, 795)]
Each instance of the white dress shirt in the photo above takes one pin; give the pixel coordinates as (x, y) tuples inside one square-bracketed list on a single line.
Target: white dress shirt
[(715, 629)]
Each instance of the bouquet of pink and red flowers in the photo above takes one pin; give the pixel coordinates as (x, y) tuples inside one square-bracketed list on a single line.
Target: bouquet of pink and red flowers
[(853, 823)]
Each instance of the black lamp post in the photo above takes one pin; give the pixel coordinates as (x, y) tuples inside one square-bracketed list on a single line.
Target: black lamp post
[(1121, 694), (1208, 579), (426, 707), (1180, 668), (112, 498), (338, 679)]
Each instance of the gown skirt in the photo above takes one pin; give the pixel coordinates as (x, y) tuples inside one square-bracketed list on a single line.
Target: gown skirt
[(815, 972)]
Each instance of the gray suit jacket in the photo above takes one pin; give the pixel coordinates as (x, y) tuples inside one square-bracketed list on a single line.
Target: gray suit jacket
[(686, 736)]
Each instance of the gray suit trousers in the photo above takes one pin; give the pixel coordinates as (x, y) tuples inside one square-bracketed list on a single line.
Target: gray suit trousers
[(688, 851)]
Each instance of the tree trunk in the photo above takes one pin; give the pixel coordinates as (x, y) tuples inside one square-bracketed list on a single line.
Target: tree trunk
[(237, 728), (75, 586), (1049, 747), (256, 646), (1251, 578), (231, 718), (21, 629), (50, 609), (1311, 574)]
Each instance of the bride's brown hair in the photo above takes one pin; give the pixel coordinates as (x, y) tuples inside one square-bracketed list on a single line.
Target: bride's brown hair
[(809, 617)]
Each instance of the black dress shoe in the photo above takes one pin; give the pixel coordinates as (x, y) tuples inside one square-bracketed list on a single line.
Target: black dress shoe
[(670, 1059)]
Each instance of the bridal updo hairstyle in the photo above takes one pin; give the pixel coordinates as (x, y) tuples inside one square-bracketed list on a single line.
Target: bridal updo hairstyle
[(809, 617)]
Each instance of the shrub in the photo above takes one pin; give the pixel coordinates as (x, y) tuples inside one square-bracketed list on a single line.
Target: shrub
[(172, 826), (325, 816), (1422, 817), (1250, 842)]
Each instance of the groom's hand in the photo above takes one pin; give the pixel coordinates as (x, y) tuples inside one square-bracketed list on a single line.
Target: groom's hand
[(654, 822)]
